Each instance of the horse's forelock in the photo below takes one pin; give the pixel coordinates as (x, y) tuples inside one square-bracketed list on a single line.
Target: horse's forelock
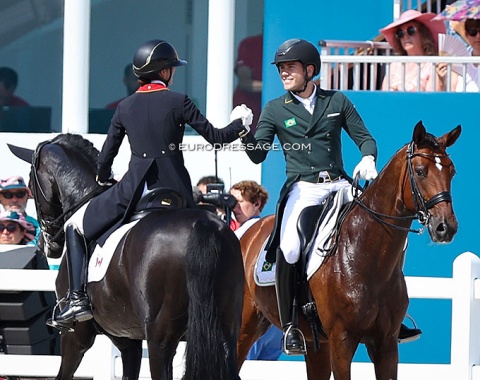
[(431, 140)]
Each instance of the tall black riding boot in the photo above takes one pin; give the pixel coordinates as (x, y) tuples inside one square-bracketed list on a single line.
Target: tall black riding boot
[(78, 306), (285, 284)]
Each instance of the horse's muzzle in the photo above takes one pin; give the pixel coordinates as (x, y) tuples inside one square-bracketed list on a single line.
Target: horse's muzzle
[(442, 230)]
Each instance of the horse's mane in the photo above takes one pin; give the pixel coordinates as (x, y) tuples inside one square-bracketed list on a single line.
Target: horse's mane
[(78, 143)]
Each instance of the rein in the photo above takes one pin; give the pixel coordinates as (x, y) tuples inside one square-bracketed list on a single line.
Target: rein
[(37, 189), (421, 207)]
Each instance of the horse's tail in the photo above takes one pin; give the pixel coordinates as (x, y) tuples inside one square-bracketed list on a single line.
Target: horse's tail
[(205, 351)]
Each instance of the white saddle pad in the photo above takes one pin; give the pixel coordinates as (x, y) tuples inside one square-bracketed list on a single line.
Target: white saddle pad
[(101, 257), (265, 271)]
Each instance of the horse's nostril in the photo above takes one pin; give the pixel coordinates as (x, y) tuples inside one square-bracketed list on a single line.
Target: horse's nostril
[(441, 228)]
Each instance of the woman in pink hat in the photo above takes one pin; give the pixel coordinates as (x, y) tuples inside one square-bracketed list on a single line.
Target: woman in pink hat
[(414, 34), (14, 229)]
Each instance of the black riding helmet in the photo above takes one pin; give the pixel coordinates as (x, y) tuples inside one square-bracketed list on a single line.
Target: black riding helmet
[(154, 56), (298, 50)]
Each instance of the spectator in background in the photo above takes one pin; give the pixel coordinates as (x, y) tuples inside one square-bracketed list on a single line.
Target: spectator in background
[(248, 69), (209, 179), (251, 198), (14, 229), (14, 194), (130, 81), (8, 84), (471, 31), (455, 28), (414, 34)]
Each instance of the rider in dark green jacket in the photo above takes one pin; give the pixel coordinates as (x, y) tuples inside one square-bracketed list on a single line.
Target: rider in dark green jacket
[(308, 122)]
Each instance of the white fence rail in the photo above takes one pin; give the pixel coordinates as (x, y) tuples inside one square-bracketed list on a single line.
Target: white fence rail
[(362, 72), (103, 362)]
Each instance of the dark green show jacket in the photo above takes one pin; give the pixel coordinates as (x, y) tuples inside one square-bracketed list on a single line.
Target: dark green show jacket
[(310, 143)]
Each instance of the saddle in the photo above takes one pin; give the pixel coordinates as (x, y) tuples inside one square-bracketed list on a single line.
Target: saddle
[(309, 221), (157, 199), (308, 224), (102, 249)]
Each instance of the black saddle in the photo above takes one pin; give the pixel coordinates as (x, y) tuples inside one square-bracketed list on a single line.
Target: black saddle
[(158, 199), (309, 222)]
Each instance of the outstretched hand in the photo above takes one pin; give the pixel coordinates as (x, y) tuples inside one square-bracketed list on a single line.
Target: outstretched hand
[(244, 113)]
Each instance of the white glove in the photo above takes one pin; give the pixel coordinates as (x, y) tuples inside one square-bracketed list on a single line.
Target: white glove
[(109, 182), (244, 113), (366, 168)]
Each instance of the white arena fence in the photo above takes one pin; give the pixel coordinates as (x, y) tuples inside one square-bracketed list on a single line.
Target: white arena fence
[(103, 361)]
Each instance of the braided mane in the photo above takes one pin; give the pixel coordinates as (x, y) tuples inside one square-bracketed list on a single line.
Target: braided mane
[(77, 142)]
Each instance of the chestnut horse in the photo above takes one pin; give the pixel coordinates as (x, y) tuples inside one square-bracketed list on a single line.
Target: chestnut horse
[(360, 289)]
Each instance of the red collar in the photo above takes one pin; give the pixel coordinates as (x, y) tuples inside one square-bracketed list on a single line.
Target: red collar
[(150, 87)]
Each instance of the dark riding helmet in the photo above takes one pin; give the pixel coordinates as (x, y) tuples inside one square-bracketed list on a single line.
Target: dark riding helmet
[(154, 56), (298, 50)]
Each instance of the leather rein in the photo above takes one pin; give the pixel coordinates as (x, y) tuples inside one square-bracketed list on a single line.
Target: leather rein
[(421, 207), (57, 223)]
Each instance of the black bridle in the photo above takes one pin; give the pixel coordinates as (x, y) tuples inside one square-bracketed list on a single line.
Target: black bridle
[(52, 229), (421, 206)]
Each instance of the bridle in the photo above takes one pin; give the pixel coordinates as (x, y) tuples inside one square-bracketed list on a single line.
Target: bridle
[(422, 207), (52, 230)]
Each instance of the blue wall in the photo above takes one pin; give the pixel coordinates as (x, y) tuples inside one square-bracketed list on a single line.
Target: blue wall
[(390, 117)]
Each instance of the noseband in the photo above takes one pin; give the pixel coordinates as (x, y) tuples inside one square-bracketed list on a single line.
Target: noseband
[(421, 207)]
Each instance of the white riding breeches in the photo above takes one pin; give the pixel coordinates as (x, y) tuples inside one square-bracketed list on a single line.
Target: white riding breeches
[(301, 195), (76, 220)]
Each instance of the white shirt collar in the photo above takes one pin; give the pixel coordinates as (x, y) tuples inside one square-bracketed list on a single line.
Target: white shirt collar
[(158, 81), (308, 103)]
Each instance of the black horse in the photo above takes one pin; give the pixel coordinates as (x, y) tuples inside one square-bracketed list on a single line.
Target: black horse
[(176, 275)]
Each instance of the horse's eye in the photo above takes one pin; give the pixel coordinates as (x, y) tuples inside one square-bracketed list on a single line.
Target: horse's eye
[(419, 170)]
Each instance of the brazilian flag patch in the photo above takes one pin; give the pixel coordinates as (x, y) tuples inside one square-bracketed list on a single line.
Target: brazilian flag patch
[(290, 122), (267, 267)]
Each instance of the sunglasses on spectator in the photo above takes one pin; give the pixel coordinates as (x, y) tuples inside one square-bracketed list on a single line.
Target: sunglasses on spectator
[(9, 227), (10, 195), (400, 33), (472, 32)]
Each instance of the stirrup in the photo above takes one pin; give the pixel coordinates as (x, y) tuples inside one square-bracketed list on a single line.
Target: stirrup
[(300, 350), (53, 323), (412, 334)]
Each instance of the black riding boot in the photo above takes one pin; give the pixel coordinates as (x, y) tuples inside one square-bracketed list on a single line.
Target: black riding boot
[(408, 334), (78, 306), (293, 342)]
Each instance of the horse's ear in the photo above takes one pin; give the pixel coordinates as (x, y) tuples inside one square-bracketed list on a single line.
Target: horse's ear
[(449, 138), (22, 153), (419, 133)]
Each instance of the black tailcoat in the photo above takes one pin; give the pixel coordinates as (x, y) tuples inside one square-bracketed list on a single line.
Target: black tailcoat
[(154, 121)]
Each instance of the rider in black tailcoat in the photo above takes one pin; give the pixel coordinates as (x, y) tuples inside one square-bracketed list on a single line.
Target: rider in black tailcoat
[(154, 119)]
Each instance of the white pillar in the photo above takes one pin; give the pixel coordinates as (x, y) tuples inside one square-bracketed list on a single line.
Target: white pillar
[(221, 28), (465, 352), (76, 61)]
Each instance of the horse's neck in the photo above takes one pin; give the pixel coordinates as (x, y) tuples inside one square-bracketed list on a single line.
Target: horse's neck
[(70, 199), (386, 194)]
